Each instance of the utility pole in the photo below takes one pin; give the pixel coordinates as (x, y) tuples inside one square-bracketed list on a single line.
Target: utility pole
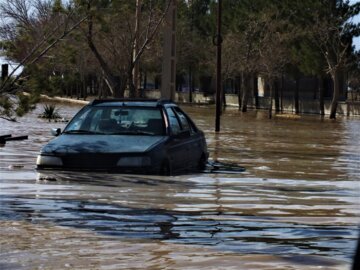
[(191, 75), (168, 78), (217, 42)]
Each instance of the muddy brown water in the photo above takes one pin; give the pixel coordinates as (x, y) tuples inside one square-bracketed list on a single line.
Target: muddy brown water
[(295, 205)]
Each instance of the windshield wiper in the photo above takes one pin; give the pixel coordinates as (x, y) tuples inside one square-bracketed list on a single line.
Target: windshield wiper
[(81, 131), (132, 132)]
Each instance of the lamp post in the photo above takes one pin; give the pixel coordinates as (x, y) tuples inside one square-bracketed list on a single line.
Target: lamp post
[(217, 42)]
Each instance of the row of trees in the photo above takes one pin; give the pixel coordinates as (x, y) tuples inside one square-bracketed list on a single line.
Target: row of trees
[(64, 46)]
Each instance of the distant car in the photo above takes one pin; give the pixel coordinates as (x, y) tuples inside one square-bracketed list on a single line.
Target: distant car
[(127, 136)]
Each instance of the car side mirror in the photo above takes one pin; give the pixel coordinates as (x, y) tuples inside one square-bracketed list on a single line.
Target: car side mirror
[(55, 131)]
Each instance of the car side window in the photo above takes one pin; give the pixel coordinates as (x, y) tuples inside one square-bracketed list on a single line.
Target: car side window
[(186, 124), (173, 121)]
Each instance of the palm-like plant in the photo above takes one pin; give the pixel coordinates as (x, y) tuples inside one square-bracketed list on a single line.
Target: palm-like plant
[(50, 112)]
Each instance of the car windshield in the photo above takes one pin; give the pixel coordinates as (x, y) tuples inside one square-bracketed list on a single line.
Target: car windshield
[(117, 120)]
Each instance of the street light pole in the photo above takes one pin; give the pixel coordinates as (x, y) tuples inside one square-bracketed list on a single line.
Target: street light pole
[(217, 42)]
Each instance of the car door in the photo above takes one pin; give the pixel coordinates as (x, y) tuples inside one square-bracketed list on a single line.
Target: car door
[(192, 143), (178, 147)]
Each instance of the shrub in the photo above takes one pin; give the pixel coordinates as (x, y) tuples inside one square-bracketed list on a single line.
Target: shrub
[(50, 112)]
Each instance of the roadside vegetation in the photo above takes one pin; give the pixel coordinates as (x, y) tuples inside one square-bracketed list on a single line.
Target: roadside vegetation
[(50, 112), (91, 47)]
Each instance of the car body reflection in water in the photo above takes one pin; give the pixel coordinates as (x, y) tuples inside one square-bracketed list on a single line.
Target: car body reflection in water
[(296, 204)]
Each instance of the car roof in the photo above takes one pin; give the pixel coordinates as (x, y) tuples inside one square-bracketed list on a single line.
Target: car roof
[(131, 102)]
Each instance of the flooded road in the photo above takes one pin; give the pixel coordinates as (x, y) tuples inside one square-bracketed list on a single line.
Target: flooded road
[(295, 206)]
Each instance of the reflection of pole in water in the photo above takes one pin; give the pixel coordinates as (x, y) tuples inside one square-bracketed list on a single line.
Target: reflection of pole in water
[(219, 208), (166, 230), (356, 263), (218, 166), (216, 147)]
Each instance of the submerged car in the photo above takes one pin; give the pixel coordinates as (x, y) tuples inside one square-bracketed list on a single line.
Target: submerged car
[(127, 136)]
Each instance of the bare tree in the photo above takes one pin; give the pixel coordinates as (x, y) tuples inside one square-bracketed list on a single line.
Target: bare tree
[(273, 51), (114, 49), (242, 55), (333, 32), (335, 52)]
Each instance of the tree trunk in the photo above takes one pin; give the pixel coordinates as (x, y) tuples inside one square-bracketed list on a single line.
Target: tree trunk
[(321, 94), (271, 98), (223, 99), (246, 91), (336, 92), (282, 93), (241, 89), (136, 62), (78, 89), (190, 84), (100, 88), (256, 91), (114, 83), (132, 88), (157, 82), (145, 81), (179, 83), (276, 96), (296, 96)]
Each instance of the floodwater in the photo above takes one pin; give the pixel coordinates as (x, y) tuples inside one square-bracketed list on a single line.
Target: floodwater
[(280, 194)]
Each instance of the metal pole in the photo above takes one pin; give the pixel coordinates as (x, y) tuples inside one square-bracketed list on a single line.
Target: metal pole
[(191, 77), (218, 41)]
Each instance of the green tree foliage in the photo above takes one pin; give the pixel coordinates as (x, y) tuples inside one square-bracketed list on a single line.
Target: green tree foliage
[(30, 31), (332, 33)]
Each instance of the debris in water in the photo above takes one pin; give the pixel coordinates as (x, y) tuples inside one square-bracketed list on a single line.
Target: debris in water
[(9, 137), (221, 167)]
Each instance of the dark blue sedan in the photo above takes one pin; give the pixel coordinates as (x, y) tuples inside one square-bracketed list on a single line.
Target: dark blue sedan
[(127, 136)]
